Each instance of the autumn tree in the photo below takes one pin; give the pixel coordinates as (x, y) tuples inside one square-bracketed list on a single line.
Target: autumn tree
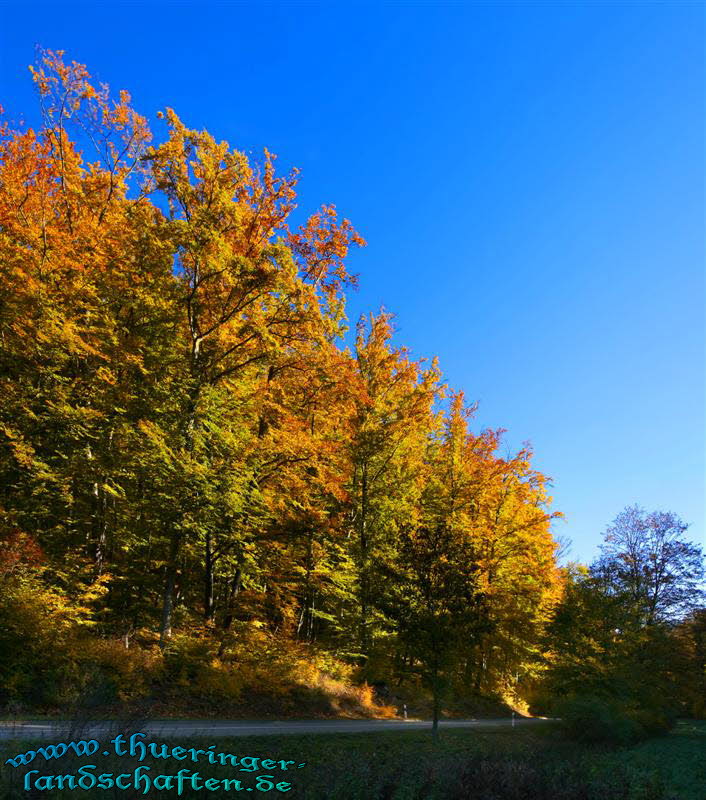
[(436, 603), (193, 450), (391, 419)]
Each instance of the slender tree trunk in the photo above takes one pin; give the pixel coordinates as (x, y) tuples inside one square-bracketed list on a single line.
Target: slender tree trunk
[(101, 528), (176, 536), (232, 595), (478, 660), (165, 631), (437, 705), (233, 591), (364, 632), (310, 628), (208, 605), (101, 514)]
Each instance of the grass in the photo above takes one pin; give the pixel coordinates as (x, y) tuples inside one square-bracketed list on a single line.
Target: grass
[(677, 761), (524, 764)]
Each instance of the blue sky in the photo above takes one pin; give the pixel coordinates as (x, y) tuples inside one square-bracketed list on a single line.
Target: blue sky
[(530, 179)]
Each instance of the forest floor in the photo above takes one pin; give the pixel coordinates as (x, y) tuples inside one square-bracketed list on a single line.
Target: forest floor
[(533, 762), (334, 701)]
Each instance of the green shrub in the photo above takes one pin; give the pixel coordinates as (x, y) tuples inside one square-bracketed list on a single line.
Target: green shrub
[(37, 630), (655, 722), (185, 657), (594, 720)]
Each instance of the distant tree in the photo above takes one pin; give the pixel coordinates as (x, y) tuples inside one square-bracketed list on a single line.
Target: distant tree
[(617, 632), (646, 560)]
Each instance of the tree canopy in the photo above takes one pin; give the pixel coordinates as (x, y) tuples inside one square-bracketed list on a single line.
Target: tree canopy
[(200, 482)]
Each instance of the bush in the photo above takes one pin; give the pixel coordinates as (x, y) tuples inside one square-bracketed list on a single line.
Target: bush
[(655, 722), (118, 674), (185, 658), (37, 667), (594, 720)]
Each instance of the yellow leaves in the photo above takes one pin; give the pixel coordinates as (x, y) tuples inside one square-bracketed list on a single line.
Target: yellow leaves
[(113, 491), (321, 246), (155, 436), (96, 589), (166, 285), (106, 375), (22, 450)]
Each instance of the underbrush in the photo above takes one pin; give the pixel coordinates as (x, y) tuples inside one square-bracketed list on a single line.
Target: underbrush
[(595, 720), (54, 661), (253, 674)]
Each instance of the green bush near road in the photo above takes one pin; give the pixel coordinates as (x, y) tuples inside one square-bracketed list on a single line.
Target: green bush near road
[(596, 720)]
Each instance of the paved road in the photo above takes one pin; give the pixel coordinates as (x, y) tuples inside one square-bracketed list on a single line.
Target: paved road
[(220, 728)]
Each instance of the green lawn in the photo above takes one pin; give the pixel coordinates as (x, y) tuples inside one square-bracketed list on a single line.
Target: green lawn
[(489, 765), (678, 760)]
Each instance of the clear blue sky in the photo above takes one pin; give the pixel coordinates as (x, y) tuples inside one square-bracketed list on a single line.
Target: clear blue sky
[(530, 179)]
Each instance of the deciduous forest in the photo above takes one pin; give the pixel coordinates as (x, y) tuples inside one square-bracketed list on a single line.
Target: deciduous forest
[(215, 500)]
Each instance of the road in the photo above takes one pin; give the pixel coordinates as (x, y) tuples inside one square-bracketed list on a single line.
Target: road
[(227, 728)]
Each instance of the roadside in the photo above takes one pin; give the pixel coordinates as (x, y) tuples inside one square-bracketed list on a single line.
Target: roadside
[(27, 730)]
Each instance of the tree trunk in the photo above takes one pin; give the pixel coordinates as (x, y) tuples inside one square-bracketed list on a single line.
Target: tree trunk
[(232, 594), (364, 633), (208, 605), (165, 631), (99, 525), (436, 688)]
